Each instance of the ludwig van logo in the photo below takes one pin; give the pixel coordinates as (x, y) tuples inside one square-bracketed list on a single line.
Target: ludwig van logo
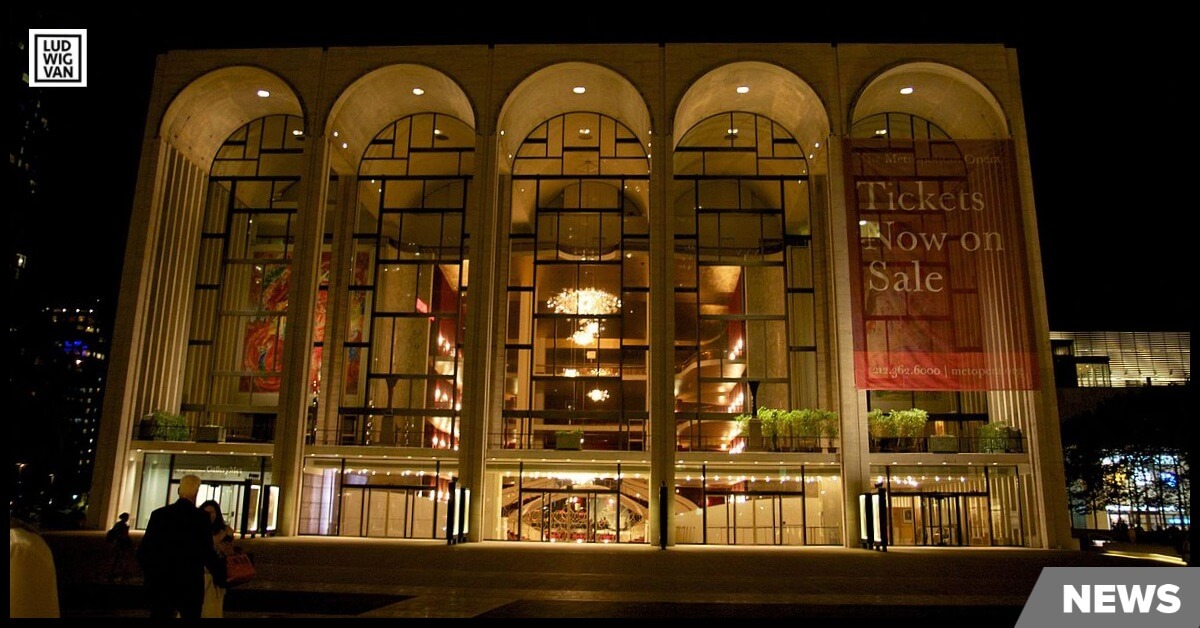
[(1148, 597), (57, 57)]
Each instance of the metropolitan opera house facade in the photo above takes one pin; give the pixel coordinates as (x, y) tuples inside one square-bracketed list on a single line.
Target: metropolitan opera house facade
[(630, 293)]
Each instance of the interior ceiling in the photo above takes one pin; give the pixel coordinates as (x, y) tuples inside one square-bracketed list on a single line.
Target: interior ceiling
[(383, 96), (773, 92), (950, 98), (204, 114), (549, 92)]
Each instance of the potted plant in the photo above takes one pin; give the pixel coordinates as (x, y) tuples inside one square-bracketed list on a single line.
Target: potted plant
[(812, 425), (993, 438), (163, 425), (897, 430), (772, 420), (568, 439), (910, 425)]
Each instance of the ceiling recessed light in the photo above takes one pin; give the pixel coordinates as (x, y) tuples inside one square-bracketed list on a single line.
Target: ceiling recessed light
[(579, 89), (906, 90), (742, 89), (345, 145), (817, 145), (335, 133), (417, 91), (262, 93), (501, 132)]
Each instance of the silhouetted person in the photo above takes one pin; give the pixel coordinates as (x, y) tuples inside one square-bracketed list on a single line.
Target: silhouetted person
[(118, 537), (173, 553)]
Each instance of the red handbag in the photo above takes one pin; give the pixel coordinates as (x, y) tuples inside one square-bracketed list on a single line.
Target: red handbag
[(239, 569)]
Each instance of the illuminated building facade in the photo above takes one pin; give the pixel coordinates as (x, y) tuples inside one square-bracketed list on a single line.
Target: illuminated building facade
[(592, 284)]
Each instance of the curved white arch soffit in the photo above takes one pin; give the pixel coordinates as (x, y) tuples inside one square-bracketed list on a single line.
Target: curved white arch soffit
[(383, 96), (949, 97), (548, 92), (210, 108), (775, 92)]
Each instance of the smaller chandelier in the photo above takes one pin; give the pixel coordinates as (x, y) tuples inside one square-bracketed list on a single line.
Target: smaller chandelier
[(598, 395)]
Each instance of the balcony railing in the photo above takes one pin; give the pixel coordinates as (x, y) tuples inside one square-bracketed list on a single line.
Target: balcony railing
[(947, 444), (777, 444), (262, 432)]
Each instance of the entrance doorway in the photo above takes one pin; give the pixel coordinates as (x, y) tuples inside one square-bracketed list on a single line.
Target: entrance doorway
[(592, 514), (939, 519)]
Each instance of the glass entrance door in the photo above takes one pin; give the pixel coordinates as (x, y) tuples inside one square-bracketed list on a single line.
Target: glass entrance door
[(941, 519), (575, 516)]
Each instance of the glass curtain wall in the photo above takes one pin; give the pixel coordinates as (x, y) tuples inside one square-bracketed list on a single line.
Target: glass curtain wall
[(401, 372), (578, 286), (240, 305), (744, 300)]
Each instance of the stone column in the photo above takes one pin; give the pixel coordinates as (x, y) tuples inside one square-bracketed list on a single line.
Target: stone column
[(292, 414)]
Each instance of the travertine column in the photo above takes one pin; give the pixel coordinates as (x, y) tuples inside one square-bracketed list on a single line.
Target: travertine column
[(302, 300)]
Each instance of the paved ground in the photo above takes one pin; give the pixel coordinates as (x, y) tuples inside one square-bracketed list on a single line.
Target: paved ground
[(345, 577)]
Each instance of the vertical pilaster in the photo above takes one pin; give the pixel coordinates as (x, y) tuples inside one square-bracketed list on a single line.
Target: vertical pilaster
[(662, 319), (1045, 442), (302, 301), (485, 292), (855, 445)]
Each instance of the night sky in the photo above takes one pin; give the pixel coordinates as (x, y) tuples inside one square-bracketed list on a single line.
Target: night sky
[(1102, 104)]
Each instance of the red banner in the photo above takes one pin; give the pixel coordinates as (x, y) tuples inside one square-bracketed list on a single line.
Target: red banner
[(938, 269)]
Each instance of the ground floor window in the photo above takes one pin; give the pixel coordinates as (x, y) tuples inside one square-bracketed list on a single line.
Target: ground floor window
[(953, 505), (563, 503), (718, 505), (378, 498), (240, 484)]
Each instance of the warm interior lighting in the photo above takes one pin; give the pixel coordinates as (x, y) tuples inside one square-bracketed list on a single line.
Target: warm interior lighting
[(417, 91), (262, 93), (585, 302), (743, 89), (345, 145), (906, 90), (579, 89), (731, 134), (880, 131), (297, 132), (598, 395)]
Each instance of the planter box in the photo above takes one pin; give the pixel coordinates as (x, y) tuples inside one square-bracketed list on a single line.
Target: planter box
[(568, 440), (944, 444), (210, 434)]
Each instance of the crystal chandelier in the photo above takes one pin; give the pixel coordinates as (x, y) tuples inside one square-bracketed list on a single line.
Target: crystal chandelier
[(585, 302)]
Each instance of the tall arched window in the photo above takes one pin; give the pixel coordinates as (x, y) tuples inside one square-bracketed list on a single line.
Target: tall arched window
[(744, 298), (402, 362), (578, 286), (938, 160), (240, 306)]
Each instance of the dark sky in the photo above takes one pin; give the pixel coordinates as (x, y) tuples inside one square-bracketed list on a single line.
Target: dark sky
[(1102, 103)]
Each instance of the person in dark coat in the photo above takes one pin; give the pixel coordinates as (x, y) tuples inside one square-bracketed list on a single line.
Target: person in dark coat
[(174, 552)]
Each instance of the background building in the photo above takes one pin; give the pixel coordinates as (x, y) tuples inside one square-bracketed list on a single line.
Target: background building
[(738, 285), (1122, 396)]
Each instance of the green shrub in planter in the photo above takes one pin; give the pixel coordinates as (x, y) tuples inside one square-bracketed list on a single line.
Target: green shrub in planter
[(993, 438)]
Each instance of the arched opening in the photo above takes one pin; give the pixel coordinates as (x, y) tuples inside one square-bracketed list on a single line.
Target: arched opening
[(578, 295)]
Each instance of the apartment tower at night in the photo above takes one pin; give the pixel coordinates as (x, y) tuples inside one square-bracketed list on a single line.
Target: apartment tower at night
[(769, 278)]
